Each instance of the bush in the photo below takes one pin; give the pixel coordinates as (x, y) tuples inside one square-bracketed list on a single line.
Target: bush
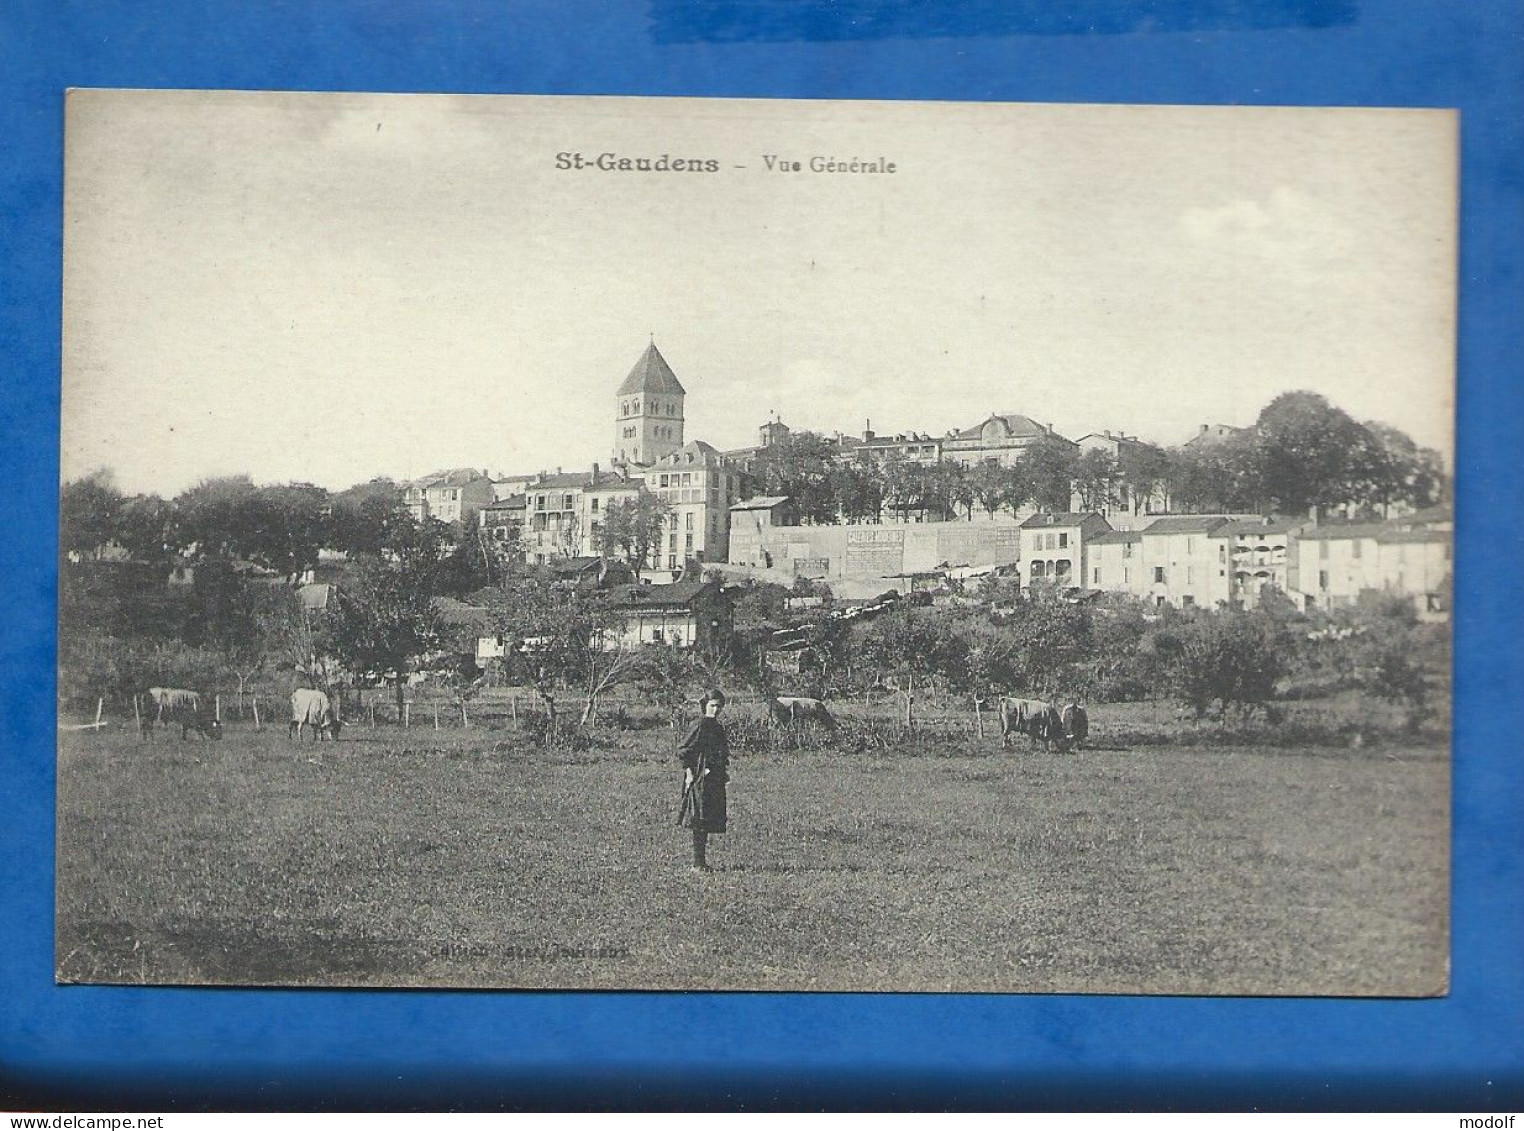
[(1230, 658)]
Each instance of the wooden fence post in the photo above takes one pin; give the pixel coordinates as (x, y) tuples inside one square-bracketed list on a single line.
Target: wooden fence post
[(372, 712), (436, 718), (217, 707), (100, 705), (465, 722), (407, 715), (137, 716), (256, 714)]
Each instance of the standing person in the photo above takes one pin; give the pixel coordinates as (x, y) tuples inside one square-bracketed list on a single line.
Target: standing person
[(705, 755)]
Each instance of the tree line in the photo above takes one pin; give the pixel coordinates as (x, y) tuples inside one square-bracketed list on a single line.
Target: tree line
[(1301, 452)]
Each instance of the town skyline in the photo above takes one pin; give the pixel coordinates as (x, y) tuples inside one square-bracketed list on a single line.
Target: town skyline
[(331, 288)]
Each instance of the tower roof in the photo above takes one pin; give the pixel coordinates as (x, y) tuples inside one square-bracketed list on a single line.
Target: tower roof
[(651, 374)]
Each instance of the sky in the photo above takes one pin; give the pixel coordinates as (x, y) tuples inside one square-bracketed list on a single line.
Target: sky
[(330, 287)]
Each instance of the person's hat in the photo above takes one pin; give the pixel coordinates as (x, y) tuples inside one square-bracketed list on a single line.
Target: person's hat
[(714, 694)]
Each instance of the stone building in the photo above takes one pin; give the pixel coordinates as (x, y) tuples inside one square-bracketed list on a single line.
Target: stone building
[(648, 419), (699, 485), (448, 496), (1053, 547)]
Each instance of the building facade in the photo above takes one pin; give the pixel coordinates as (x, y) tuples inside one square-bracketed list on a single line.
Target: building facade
[(699, 486), (448, 496), (564, 513), (1186, 562), (1053, 547)]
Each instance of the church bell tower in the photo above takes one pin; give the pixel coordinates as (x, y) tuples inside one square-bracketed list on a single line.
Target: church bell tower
[(648, 411)]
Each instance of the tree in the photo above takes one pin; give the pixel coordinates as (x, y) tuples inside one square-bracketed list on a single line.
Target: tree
[(910, 644), (384, 621), (148, 528), (1307, 451), (214, 514), (1051, 463), (560, 637), (990, 486), (282, 527), (1097, 478), (1143, 469), (800, 465), (89, 512), (364, 519), (633, 528), (1231, 657), (858, 491)]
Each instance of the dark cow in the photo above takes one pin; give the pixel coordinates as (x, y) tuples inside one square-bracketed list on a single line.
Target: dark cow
[(170, 705), (794, 709), (1075, 725), (1038, 719), (312, 708)]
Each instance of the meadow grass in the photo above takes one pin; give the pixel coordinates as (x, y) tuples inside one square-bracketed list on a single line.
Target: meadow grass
[(473, 857)]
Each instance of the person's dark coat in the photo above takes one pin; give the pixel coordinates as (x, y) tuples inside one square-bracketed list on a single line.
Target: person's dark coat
[(705, 752)]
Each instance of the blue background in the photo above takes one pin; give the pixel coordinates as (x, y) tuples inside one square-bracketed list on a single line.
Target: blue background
[(119, 1046)]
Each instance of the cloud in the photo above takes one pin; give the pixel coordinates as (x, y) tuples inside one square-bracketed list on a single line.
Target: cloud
[(1287, 229)]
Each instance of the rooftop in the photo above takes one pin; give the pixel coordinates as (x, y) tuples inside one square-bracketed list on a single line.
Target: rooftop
[(679, 593), (1186, 524), (1274, 526), (1066, 518), (1014, 425), (651, 374), (1116, 537), (455, 477), (760, 503), (1337, 530), (595, 480)]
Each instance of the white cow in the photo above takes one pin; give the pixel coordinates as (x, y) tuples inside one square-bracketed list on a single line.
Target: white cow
[(311, 708)]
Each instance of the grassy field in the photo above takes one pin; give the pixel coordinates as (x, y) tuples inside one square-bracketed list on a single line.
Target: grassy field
[(470, 857)]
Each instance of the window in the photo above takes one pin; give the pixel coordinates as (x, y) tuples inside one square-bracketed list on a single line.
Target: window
[(595, 506), (1323, 576), (688, 524), (1187, 601), (1159, 602), (1190, 545), (1323, 549), (1222, 552), (663, 481), (1158, 575), (1095, 576), (688, 541), (1127, 549), (1355, 549), (672, 542), (1063, 541), (656, 636), (1188, 575), (1126, 575)]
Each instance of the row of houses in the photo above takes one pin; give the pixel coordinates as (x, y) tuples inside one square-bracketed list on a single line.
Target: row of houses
[(1217, 560)]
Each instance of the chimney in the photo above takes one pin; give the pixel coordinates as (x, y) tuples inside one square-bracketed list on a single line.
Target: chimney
[(592, 479), (1203, 430), (867, 429)]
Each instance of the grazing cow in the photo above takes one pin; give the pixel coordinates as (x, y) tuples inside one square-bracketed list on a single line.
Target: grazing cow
[(795, 709), (1036, 718), (311, 708), (170, 705), (1075, 725)]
